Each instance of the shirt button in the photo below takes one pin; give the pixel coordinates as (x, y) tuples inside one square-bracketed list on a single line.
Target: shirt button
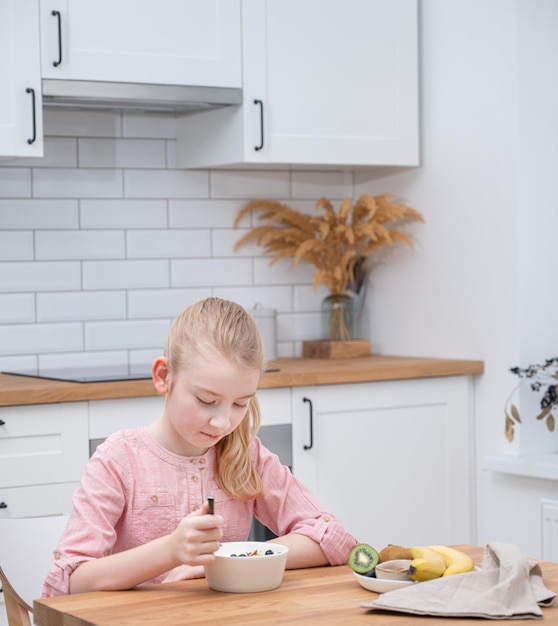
[(193, 461), (57, 555), (327, 518), (202, 461), (195, 479), (154, 499), (195, 507)]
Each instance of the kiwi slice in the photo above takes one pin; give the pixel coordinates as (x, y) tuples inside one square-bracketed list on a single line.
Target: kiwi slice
[(363, 558)]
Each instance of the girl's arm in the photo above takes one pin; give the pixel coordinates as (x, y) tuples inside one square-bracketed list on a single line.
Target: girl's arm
[(303, 551), (192, 543)]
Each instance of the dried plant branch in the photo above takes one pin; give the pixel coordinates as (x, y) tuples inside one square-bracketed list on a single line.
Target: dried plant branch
[(334, 242)]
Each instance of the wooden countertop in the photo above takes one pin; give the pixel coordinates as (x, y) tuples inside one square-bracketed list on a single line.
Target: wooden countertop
[(18, 390), (324, 595)]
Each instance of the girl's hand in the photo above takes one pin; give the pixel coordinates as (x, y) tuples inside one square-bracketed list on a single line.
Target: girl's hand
[(184, 572), (197, 537)]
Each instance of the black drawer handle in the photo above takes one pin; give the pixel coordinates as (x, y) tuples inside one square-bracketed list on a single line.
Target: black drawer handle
[(57, 15), (3, 505), (34, 115), (309, 446), (2, 423), (261, 125)]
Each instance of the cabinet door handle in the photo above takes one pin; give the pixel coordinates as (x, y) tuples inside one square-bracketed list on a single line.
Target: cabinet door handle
[(3, 505), (309, 446), (58, 17), (34, 115), (261, 125)]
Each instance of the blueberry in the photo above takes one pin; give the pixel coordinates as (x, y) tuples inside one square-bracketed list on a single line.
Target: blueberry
[(371, 573), (269, 551)]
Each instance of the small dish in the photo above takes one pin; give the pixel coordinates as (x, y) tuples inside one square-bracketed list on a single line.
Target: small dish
[(394, 570), (381, 585)]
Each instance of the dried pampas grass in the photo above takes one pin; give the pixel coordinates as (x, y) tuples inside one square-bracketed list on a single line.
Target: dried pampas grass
[(335, 242)]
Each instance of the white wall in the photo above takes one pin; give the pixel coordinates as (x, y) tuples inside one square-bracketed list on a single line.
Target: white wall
[(482, 281)]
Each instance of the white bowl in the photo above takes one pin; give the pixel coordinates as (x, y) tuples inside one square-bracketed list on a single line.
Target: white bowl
[(394, 570), (247, 574), (381, 585)]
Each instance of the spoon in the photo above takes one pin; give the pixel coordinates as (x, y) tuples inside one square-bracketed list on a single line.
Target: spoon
[(211, 504)]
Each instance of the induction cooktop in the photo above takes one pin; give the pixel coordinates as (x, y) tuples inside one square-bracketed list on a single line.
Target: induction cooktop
[(86, 374)]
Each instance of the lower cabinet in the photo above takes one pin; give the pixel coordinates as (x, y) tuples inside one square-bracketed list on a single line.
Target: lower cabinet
[(392, 460), (43, 452)]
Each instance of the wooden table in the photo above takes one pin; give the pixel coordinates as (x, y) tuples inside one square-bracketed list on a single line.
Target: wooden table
[(324, 595)]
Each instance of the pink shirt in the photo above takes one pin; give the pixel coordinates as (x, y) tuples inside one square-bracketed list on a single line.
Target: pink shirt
[(134, 490)]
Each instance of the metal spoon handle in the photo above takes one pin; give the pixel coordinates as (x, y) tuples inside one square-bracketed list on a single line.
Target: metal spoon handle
[(211, 504)]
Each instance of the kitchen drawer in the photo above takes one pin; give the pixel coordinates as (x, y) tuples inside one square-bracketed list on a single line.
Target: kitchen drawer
[(275, 405), (43, 444), (37, 501)]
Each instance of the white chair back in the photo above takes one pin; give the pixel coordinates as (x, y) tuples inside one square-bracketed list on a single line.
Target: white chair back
[(26, 547)]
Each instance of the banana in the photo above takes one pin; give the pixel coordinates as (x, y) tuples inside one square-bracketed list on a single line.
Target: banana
[(426, 564), (457, 562)]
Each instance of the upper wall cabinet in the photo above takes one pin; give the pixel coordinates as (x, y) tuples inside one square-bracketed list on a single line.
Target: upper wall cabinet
[(169, 42), (20, 75), (327, 82)]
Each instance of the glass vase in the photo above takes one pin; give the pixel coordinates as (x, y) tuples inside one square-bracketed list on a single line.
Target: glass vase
[(337, 317)]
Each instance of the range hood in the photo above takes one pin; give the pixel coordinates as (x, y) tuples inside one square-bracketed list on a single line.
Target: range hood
[(137, 96)]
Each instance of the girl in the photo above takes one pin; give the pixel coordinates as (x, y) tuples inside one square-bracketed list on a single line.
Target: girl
[(140, 513)]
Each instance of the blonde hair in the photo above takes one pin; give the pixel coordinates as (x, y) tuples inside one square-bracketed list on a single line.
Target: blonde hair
[(230, 329)]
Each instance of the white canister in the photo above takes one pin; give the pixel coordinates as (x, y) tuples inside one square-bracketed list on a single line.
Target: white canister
[(266, 319)]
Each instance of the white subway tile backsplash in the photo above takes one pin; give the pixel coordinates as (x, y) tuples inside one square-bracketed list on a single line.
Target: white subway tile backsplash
[(283, 272), (103, 242), (249, 184), (126, 214), (58, 152), (125, 274), (112, 361), (16, 246), (306, 299), (76, 244), (168, 303), (170, 244), (121, 153), (15, 182), (17, 308), (223, 242), (38, 214), (148, 125), (279, 298), (166, 184), (20, 363), (82, 305), (203, 213), (39, 276), (315, 185), (77, 183), (126, 335), (138, 359), (81, 123), (37, 338), (211, 272)]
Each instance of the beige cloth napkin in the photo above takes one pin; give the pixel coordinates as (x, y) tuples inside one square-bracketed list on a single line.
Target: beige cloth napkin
[(508, 586)]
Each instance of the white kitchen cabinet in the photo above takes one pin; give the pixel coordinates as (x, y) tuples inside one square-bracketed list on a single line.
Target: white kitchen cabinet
[(21, 125), (392, 460), (43, 452), (327, 82), (169, 42)]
